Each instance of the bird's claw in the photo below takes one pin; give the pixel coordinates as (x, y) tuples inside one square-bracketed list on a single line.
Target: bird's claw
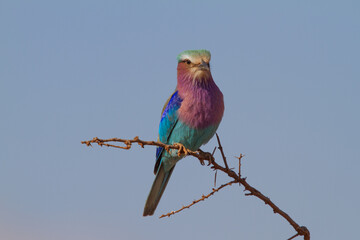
[(205, 156), (182, 149), (202, 162)]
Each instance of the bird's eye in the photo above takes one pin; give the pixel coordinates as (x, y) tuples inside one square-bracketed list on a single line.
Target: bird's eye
[(187, 61)]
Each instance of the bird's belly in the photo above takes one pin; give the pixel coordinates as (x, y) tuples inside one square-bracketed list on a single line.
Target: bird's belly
[(192, 138)]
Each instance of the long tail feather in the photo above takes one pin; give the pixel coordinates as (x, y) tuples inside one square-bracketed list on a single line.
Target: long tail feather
[(157, 190)]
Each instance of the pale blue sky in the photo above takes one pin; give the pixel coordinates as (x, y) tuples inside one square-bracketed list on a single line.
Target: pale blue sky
[(72, 70)]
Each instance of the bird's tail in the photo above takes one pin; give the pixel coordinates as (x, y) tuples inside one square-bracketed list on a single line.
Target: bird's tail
[(157, 190)]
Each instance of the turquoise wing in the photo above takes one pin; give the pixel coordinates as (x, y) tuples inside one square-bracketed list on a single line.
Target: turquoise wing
[(169, 119)]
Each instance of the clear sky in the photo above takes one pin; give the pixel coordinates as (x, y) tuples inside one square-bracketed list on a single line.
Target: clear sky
[(73, 70)]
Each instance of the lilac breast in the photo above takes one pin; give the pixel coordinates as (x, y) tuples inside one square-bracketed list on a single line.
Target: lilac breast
[(202, 105)]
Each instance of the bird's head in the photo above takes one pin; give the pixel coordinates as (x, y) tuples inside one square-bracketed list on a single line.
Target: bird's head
[(194, 64)]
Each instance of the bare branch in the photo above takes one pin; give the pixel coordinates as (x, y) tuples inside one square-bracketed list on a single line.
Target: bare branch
[(203, 197), (128, 142), (222, 151), (205, 156)]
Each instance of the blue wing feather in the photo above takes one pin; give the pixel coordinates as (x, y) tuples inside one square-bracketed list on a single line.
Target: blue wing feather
[(168, 121)]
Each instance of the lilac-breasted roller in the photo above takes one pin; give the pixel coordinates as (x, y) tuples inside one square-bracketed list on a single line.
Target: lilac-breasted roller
[(190, 116)]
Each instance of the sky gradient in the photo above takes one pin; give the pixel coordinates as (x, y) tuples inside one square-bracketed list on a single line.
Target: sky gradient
[(73, 70)]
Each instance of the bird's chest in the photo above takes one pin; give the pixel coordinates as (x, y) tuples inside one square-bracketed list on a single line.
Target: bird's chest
[(200, 111)]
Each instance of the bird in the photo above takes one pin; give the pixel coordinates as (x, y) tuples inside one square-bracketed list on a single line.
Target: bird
[(190, 117)]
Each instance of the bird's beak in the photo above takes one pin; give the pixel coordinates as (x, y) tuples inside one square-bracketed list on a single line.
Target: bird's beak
[(204, 65)]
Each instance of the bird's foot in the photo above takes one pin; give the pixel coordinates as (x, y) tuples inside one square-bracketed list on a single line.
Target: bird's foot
[(182, 149), (205, 156)]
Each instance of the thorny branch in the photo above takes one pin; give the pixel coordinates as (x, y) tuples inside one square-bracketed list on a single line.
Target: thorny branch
[(204, 156), (203, 197)]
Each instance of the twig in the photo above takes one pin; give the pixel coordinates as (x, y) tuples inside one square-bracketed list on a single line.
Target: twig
[(204, 156), (203, 197), (212, 155), (240, 157), (222, 151), (215, 178), (294, 236)]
